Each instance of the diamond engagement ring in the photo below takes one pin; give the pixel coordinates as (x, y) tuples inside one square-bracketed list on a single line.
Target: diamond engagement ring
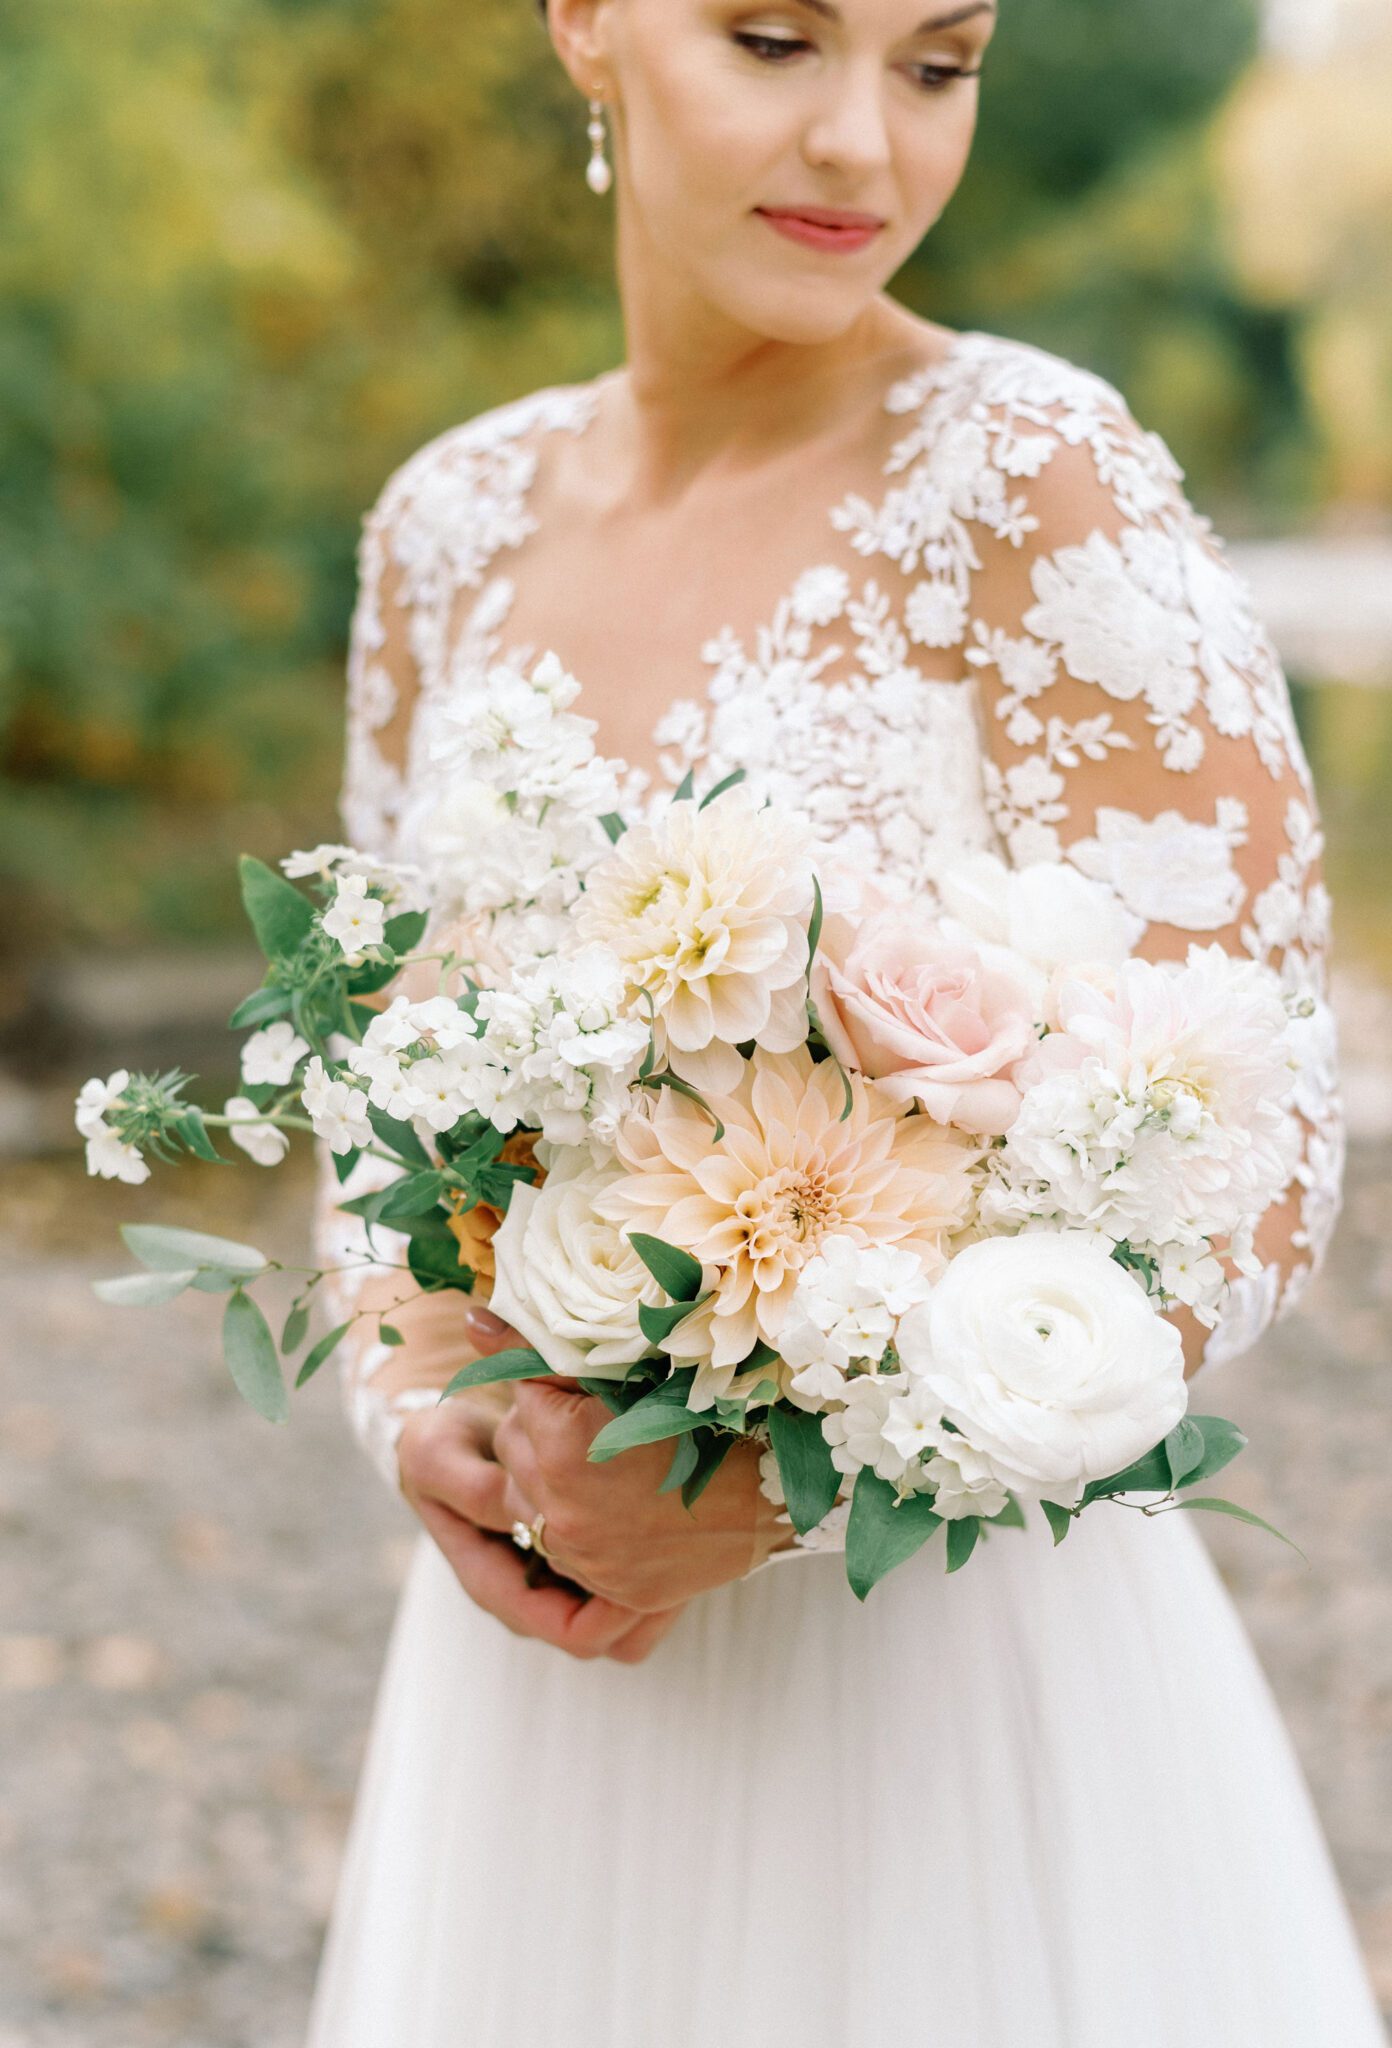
[(527, 1535)]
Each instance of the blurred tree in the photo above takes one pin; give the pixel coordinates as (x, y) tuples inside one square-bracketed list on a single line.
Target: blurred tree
[(252, 252)]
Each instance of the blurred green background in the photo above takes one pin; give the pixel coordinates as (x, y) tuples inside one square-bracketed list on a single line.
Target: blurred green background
[(254, 252)]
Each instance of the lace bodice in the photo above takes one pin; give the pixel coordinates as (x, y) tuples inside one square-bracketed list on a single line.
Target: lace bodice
[(1026, 639)]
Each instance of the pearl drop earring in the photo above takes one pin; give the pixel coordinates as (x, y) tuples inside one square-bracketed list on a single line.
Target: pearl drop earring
[(598, 176)]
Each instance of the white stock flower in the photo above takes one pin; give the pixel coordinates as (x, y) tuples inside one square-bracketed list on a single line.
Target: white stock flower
[(270, 1056), (843, 1311), (266, 1143), (1049, 1359), (567, 1279), (707, 908), (355, 919), (96, 1098)]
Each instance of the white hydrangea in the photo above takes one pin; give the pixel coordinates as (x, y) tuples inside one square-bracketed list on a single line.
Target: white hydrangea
[(556, 1052), (843, 1312), (270, 1056), (856, 1432)]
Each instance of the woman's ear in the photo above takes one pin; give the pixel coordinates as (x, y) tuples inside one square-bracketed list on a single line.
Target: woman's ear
[(580, 30)]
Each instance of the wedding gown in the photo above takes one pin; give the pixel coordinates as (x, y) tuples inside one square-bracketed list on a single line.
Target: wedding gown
[(1050, 1799)]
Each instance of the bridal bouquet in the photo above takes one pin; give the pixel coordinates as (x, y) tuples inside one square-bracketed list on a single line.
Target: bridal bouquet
[(749, 1146)]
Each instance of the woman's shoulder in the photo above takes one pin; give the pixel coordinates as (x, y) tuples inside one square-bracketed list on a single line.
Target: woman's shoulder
[(476, 469)]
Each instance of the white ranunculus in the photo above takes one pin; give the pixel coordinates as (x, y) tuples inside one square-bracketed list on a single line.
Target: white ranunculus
[(569, 1280), (1046, 913), (1049, 1359), (266, 1143)]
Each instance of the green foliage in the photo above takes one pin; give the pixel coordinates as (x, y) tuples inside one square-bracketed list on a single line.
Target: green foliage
[(883, 1531), (810, 1480)]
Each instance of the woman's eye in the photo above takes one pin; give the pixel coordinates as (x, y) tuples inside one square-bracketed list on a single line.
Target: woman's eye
[(773, 48), (777, 49)]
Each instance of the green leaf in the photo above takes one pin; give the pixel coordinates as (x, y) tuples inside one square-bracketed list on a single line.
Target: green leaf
[(435, 1262), (1059, 1520), (674, 1270), (685, 788), (399, 1138), (412, 1195), (962, 1533), (657, 1324), (212, 1280), (729, 781), (658, 1415), (1150, 1474), (296, 1328), (714, 1446), (1230, 1507), (144, 1290), (1011, 1516), (814, 929), (344, 1162), (169, 1250), (503, 1365), (607, 1391), (194, 1132), (262, 1006), (405, 931), (251, 1357), (675, 1081), (281, 917), (882, 1533), (810, 1480), (1184, 1449), (389, 1334), (1222, 1442), (614, 826), (321, 1351), (685, 1458)]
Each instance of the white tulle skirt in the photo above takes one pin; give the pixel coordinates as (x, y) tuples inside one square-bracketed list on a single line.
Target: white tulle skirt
[(1048, 1802)]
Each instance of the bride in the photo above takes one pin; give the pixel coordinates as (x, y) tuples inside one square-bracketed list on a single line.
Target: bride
[(949, 597)]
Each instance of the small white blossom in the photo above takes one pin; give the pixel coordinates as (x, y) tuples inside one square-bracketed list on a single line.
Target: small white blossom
[(109, 1156), (856, 1433), (337, 1110), (265, 1142), (354, 918), (96, 1098), (843, 1311), (319, 860), (270, 1056)]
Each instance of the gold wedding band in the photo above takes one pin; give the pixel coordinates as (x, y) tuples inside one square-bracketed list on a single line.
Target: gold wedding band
[(527, 1535)]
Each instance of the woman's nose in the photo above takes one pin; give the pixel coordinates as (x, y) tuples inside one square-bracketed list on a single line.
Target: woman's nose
[(850, 129)]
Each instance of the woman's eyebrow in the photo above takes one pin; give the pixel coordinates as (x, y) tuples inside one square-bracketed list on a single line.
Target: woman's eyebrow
[(831, 13)]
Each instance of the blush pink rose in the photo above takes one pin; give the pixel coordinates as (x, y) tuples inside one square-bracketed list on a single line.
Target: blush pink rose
[(923, 1015)]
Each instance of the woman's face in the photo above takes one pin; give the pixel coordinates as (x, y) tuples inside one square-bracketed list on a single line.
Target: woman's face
[(724, 111)]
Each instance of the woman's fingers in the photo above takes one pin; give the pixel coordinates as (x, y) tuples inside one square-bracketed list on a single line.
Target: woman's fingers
[(487, 1332), (492, 1572), (644, 1636)]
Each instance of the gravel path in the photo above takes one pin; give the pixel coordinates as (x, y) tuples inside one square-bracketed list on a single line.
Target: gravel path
[(193, 1609)]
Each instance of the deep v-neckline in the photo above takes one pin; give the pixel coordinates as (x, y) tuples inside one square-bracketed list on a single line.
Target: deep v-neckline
[(481, 635)]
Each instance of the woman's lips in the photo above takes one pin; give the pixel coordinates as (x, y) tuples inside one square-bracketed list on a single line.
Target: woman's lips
[(822, 229)]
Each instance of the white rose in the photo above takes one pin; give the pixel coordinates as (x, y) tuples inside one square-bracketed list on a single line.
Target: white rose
[(1049, 1359), (568, 1279)]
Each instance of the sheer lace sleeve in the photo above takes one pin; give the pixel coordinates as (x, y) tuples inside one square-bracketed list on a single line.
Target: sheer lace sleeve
[(389, 667), (1137, 723)]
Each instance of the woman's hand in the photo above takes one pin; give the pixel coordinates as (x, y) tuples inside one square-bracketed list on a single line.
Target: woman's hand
[(607, 1525), (450, 1476)]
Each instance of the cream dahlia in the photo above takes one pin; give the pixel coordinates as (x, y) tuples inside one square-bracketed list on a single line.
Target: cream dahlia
[(790, 1171), (707, 907)]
